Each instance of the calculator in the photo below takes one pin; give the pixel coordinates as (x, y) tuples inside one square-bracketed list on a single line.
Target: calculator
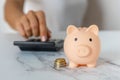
[(38, 45)]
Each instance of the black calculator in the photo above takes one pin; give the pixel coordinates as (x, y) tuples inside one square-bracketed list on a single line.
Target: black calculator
[(38, 45)]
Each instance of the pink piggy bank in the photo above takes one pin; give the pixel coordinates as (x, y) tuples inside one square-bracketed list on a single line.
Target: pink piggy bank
[(82, 46)]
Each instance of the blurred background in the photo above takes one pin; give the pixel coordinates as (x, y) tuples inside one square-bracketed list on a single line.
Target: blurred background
[(104, 13)]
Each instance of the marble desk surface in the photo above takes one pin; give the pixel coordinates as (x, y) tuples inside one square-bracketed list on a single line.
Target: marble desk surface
[(18, 65)]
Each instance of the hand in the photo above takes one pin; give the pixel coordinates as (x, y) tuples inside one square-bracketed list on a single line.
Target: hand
[(33, 24)]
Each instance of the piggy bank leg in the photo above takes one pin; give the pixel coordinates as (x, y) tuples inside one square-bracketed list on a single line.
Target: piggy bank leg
[(72, 65), (91, 64)]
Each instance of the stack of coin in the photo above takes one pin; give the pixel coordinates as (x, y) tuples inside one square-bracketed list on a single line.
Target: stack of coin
[(59, 62)]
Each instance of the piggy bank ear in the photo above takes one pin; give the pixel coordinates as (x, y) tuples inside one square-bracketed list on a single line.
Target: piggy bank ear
[(70, 29), (94, 29)]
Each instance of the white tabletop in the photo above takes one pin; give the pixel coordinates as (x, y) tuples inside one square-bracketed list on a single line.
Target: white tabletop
[(18, 65)]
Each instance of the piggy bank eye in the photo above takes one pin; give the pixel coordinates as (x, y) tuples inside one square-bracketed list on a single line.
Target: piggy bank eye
[(90, 39), (75, 39)]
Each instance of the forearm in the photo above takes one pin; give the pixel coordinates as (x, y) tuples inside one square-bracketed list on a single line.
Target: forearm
[(13, 11)]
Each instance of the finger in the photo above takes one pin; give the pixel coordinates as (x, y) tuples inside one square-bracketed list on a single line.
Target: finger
[(33, 23), (49, 33), (42, 25), (26, 26), (21, 30), (49, 36)]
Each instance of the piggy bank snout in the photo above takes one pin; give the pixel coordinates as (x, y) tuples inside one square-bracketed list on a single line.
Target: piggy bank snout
[(83, 51)]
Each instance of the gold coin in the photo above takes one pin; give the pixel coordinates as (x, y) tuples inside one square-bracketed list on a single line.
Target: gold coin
[(59, 62)]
